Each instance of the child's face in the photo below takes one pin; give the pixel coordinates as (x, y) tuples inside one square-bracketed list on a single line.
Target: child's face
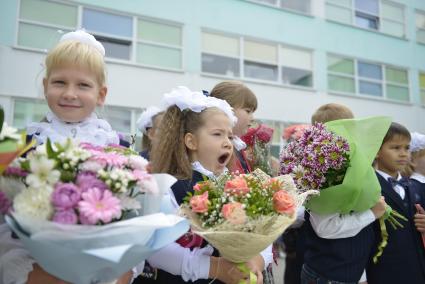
[(419, 164), (73, 93), (211, 144), (394, 155), (245, 117)]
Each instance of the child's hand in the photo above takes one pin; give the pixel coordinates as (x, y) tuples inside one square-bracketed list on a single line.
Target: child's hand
[(256, 265), (420, 218), (379, 208), (226, 271)]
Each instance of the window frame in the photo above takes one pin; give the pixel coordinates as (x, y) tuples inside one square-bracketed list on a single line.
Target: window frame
[(379, 16), (421, 100), (241, 39), (278, 5), (133, 40), (384, 82), (417, 29)]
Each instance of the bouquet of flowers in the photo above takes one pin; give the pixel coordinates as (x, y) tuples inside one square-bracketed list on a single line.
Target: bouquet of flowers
[(336, 160), (241, 215), (79, 210), (258, 147), (12, 144)]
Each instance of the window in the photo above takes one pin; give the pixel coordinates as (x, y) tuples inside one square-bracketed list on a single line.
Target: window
[(237, 57), (26, 111), (41, 30), (260, 60), (296, 66), (422, 87), (159, 44), (220, 55), (420, 26), (303, 6), (113, 31), (381, 15), (125, 37), (346, 75)]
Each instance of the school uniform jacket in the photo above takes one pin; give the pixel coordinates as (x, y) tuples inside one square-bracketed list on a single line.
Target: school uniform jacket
[(403, 259)]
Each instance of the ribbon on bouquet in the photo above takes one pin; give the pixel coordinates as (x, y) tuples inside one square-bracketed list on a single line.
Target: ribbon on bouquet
[(390, 216), (252, 277)]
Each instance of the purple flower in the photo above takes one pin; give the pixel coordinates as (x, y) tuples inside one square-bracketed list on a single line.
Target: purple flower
[(5, 203), (15, 171), (86, 180), (65, 217), (66, 195)]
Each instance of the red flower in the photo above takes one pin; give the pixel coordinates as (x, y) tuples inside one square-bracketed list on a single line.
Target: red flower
[(248, 137), (264, 133)]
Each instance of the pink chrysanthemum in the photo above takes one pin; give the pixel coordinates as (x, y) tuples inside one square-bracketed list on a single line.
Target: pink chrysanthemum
[(97, 205), (110, 159)]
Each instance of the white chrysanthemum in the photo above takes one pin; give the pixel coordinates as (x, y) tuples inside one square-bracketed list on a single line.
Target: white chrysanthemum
[(9, 132), (34, 203), (42, 172)]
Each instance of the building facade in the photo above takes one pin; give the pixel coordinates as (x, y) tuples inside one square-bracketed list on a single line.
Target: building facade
[(294, 54)]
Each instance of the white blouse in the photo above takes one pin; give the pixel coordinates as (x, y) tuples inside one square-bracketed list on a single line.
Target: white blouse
[(91, 130)]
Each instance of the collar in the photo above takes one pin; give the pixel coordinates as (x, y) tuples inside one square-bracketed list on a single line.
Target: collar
[(196, 166), (419, 177), (238, 143), (91, 130), (386, 176)]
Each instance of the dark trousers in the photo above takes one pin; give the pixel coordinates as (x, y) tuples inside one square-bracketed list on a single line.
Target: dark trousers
[(309, 276)]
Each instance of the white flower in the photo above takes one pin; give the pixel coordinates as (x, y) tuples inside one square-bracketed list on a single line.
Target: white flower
[(91, 166), (128, 203), (42, 172), (34, 203), (9, 132)]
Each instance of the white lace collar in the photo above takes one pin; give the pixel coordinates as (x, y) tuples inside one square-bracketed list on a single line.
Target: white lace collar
[(418, 177), (238, 143), (196, 166), (91, 130)]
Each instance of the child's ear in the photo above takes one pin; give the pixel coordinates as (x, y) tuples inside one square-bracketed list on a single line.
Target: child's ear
[(102, 96), (45, 86), (190, 141)]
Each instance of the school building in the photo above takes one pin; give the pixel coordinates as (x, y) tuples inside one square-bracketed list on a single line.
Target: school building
[(294, 54)]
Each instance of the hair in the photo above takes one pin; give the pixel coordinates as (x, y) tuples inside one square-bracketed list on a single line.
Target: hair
[(410, 168), (169, 153), (396, 129), (75, 53), (146, 142), (236, 94), (330, 112)]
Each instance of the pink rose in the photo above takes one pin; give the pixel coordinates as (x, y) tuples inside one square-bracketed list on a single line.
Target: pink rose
[(234, 213), (200, 185), (283, 202), (236, 186), (199, 203)]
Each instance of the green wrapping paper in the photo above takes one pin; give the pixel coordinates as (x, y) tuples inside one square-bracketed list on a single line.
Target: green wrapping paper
[(360, 189)]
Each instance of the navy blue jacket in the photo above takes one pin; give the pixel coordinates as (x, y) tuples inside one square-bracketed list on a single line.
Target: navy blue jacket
[(403, 258), (342, 260)]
